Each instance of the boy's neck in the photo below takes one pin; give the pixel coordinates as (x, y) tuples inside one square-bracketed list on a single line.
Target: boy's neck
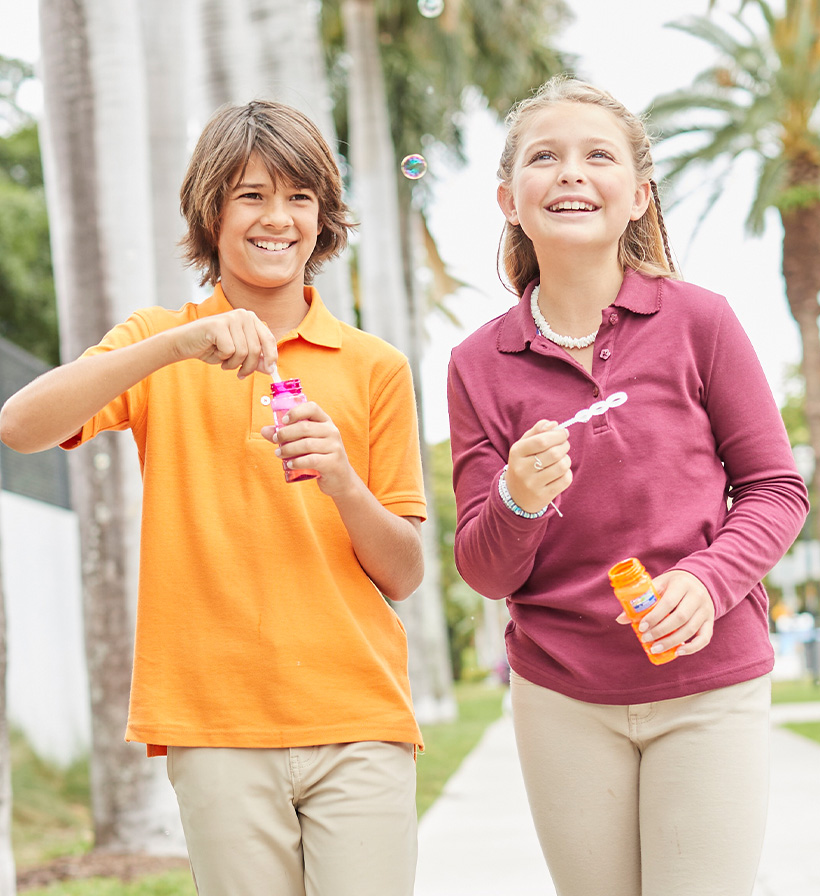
[(282, 308)]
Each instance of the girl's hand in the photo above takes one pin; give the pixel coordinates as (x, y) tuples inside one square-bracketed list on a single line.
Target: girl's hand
[(539, 466), (235, 339), (684, 607), (310, 440)]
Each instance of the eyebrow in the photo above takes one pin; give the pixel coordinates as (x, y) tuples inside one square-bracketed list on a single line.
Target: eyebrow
[(588, 141), (246, 186)]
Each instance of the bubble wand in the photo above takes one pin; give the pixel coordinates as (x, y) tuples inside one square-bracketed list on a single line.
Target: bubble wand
[(584, 416)]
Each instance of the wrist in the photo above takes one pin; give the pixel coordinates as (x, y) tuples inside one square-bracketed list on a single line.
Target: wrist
[(509, 503)]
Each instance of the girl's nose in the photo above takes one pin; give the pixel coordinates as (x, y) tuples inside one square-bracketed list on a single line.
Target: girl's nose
[(571, 172), (571, 175)]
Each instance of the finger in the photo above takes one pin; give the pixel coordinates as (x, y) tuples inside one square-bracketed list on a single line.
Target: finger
[(307, 410), (269, 350), (252, 357), (696, 644)]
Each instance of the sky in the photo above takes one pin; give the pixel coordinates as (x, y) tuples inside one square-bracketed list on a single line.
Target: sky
[(625, 48)]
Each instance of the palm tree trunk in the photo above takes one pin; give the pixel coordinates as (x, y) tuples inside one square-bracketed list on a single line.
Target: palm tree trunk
[(8, 884), (801, 272), (167, 103), (95, 160), (299, 79), (385, 306)]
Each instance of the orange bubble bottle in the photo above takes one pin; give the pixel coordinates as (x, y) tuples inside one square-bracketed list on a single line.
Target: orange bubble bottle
[(634, 589)]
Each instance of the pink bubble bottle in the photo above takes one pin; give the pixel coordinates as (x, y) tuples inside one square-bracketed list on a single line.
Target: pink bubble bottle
[(634, 589), (284, 395)]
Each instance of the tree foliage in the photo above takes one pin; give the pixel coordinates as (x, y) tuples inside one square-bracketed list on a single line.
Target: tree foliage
[(760, 96), (502, 49), (28, 314)]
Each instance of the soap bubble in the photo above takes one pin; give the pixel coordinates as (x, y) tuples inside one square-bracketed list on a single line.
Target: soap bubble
[(414, 166), (431, 8)]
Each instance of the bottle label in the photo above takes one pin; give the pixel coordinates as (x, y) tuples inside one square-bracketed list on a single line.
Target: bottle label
[(644, 602)]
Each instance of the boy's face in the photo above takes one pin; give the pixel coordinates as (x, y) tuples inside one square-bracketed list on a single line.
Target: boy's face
[(267, 234)]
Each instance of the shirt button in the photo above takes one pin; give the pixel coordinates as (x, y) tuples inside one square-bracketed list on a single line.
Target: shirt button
[(596, 392), (613, 318), (604, 354)]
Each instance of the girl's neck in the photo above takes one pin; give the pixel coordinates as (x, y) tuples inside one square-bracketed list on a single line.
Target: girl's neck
[(573, 292)]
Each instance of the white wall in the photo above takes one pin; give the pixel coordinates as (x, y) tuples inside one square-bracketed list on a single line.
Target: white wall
[(47, 683)]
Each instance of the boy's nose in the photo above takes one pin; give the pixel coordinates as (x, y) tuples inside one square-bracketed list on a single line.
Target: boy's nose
[(276, 215)]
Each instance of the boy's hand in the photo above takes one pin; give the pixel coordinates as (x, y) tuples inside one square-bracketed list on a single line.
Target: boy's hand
[(684, 607), (310, 440), (235, 339), (539, 466)]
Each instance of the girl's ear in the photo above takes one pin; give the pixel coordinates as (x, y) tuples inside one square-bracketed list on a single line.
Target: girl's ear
[(507, 204), (643, 195)]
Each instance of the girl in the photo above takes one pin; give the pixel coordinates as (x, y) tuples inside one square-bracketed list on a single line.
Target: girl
[(641, 779)]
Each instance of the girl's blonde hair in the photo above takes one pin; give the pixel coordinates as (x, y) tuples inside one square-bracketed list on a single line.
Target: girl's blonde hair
[(643, 246), (292, 149)]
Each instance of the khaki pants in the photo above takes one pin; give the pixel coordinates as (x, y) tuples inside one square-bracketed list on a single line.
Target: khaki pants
[(655, 799), (336, 820)]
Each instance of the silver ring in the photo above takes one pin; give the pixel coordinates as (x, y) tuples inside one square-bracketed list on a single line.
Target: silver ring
[(537, 463)]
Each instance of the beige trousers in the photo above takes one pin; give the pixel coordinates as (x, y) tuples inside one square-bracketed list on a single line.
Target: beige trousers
[(337, 820), (655, 799)]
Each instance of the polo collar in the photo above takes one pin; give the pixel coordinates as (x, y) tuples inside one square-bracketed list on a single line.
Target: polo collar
[(318, 326), (638, 293)]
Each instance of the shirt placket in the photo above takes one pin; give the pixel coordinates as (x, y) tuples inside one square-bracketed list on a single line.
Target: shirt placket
[(602, 361)]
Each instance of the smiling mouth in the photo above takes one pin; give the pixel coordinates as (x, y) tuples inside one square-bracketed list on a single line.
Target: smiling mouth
[(573, 206), (269, 246)]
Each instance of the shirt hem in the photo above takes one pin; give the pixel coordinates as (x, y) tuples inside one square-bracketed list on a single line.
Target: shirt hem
[(631, 696)]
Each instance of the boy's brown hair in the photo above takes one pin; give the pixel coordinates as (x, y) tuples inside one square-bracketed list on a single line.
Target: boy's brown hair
[(290, 146)]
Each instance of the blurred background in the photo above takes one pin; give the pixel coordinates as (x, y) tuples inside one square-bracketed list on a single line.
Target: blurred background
[(100, 105)]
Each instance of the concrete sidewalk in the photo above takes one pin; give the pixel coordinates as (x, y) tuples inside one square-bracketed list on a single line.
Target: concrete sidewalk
[(478, 840)]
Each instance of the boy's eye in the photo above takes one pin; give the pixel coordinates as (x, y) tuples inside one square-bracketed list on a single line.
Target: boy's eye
[(302, 197), (250, 196)]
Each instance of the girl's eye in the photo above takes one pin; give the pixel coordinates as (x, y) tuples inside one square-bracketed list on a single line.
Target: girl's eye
[(543, 155), (600, 154)]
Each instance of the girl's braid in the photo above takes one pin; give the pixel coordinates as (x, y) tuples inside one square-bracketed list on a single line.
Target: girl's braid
[(661, 224)]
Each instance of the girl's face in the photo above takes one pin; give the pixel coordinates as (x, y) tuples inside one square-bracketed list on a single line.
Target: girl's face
[(574, 185)]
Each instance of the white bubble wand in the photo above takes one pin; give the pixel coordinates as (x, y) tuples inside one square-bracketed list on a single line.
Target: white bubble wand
[(586, 414)]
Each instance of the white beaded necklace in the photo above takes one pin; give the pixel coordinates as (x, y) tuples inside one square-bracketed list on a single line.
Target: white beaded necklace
[(547, 331)]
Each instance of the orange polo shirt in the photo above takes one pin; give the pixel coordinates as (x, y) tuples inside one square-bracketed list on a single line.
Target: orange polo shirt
[(256, 625)]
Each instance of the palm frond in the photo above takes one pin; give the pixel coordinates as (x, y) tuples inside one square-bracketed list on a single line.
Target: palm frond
[(770, 181)]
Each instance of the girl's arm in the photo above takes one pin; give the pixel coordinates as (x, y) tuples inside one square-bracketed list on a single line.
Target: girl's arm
[(56, 405), (769, 501), (494, 548), (768, 497)]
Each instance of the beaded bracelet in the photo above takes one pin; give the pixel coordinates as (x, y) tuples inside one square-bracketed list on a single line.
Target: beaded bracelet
[(508, 502)]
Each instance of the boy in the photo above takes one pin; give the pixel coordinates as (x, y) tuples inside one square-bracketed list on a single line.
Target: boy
[(267, 664)]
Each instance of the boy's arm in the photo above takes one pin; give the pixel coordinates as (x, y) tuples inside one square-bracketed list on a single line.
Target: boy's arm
[(387, 546), (57, 404)]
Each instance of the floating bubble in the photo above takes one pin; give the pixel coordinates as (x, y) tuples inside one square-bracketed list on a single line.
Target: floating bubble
[(414, 166), (431, 8)]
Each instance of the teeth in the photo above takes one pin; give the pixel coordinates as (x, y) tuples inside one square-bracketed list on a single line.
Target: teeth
[(271, 247), (572, 206)]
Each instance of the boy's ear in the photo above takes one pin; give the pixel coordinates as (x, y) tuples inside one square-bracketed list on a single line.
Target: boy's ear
[(507, 203)]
